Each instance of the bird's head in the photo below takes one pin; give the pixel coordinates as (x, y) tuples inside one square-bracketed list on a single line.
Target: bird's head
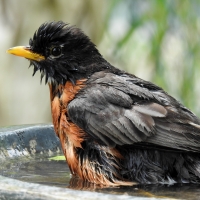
[(61, 53)]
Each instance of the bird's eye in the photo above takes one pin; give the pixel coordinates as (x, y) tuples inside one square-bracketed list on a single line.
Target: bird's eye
[(56, 51)]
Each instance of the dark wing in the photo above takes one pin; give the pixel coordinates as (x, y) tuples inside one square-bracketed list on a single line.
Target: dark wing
[(119, 110)]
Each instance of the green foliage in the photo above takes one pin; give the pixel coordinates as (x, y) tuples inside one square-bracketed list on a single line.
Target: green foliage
[(57, 158)]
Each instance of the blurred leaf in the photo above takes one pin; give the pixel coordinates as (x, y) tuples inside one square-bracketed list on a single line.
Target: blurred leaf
[(58, 158)]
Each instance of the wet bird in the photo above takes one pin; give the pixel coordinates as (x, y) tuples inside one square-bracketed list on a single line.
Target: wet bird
[(114, 128)]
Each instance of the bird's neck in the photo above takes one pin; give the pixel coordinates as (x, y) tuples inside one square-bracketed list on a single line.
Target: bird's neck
[(76, 71), (68, 88), (97, 64)]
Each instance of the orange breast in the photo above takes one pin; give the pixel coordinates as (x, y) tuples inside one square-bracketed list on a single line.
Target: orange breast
[(71, 136)]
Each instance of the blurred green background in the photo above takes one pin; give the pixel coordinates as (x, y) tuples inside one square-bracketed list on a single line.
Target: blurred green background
[(156, 40)]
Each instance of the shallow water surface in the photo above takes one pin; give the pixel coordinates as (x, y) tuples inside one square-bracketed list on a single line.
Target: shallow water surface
[(56, 173), (40, 170)]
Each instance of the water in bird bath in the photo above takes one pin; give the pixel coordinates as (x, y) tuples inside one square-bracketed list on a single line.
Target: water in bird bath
[(39, 170), (56, 173)]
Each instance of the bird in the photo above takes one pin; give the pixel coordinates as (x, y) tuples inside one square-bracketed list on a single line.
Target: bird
[(115, 128)]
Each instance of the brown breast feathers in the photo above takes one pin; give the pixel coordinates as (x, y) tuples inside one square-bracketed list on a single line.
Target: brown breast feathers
[(71, 136)]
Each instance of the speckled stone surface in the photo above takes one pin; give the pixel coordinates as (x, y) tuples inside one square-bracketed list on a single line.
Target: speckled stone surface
[(28, 140)]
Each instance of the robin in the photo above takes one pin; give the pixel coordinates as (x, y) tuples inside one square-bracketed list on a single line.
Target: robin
[(114, 128)]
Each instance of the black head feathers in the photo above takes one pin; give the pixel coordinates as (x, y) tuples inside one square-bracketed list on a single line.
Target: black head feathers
[(67, 51), (61, 53)]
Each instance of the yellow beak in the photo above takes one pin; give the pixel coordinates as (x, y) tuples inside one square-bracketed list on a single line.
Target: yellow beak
[(26, 53)]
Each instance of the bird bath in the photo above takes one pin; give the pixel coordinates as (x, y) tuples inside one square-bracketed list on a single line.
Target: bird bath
[(27, 172)]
